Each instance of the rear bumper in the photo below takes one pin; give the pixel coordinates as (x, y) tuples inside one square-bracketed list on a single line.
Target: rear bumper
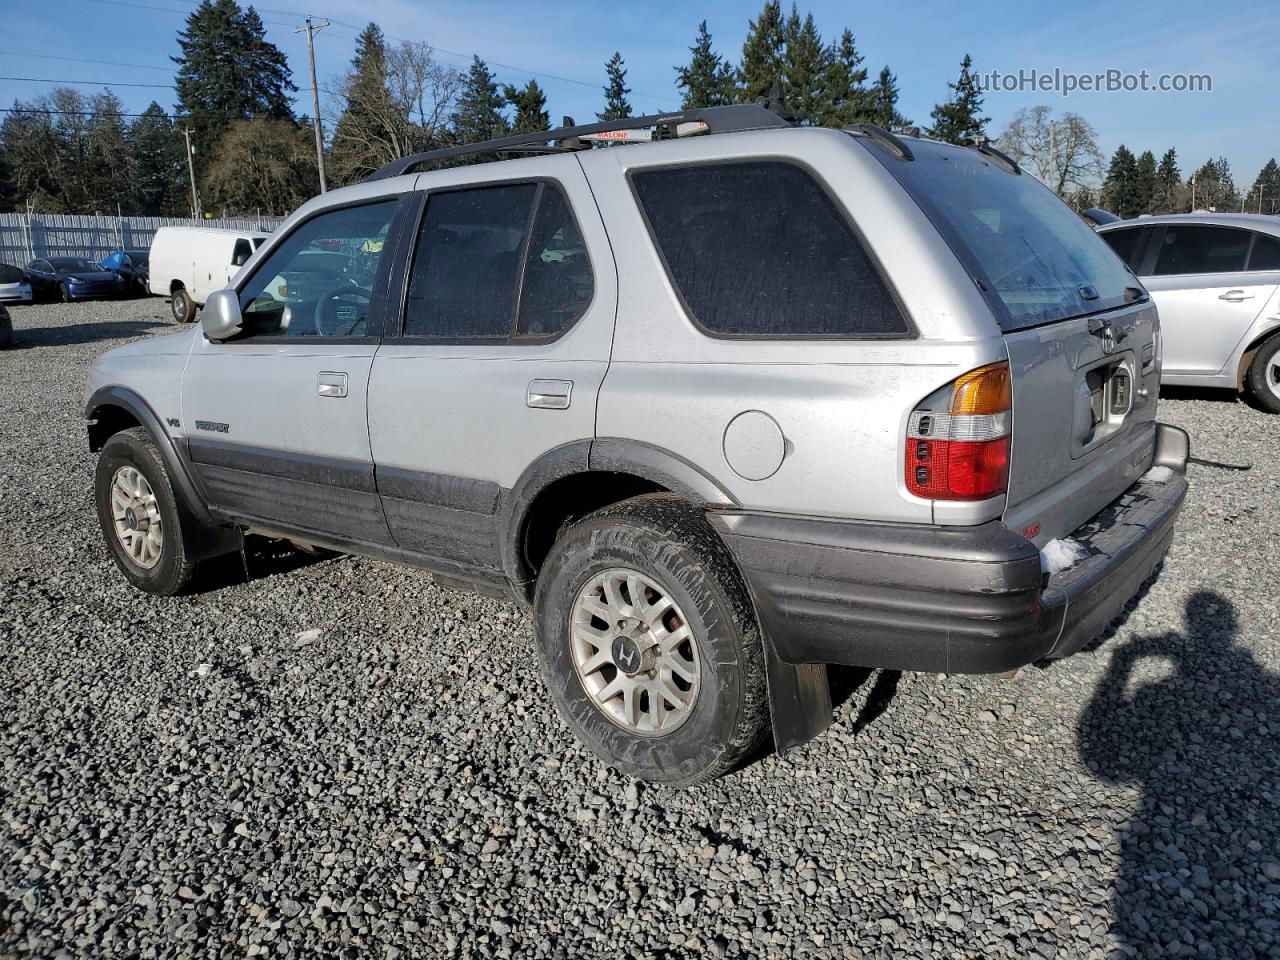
[(949, 599)]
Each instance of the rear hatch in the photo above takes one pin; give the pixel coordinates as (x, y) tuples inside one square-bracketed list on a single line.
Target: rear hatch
[(1079, 327)]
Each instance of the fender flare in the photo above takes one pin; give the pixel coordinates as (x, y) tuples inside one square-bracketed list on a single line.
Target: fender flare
[(661, 467), (175, 462)]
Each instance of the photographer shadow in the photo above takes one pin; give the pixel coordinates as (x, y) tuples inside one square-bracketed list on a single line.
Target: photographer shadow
[(1201, 861)]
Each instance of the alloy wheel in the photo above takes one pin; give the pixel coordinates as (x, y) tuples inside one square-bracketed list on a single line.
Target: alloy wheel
[(135, 514), (634, 653)]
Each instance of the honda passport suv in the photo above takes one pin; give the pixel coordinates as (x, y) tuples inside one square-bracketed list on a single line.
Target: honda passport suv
[(721, 409)]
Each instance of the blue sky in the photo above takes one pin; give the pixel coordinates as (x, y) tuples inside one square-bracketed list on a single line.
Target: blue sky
[(566, 42)]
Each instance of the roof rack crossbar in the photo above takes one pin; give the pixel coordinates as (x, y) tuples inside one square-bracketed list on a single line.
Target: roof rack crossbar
[(744, 116)]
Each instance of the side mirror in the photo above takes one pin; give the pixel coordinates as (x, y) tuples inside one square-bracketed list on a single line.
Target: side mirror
[(220, 319)]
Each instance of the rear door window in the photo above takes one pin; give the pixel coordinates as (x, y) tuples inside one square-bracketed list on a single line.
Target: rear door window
[(1265, 254), (497, 263), (759, 249), (1034, 259), (1192, 248)]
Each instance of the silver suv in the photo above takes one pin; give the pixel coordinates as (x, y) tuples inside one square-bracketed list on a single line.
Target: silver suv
[(721, 409)]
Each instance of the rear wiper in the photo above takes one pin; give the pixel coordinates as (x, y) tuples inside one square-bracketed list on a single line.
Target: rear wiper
[(1134, 294)]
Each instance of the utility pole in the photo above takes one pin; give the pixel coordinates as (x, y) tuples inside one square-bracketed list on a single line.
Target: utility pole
[(191, 169), (309, 28)]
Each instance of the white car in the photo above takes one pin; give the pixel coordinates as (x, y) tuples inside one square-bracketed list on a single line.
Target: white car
[(189, 263), (14, 285), (1215, 278)]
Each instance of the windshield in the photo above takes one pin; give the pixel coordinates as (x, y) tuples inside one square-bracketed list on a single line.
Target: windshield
[(75, 264), (1036, 261)]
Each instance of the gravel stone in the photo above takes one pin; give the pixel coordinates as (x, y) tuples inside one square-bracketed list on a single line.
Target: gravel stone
[(339, 781)]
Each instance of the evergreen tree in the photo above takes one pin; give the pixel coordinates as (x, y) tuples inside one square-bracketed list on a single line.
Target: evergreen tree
[(1146, 183), (805, 64), (1168, 184), (479, 113), (708, 79), (1264, 195), (157, 149), (530, 105), (762, 53), (228, 70), (960, 118), (369, 106), (845, 98), (1120, 188), (1213, 188), (884, 102), (110, 164), (616, 106)]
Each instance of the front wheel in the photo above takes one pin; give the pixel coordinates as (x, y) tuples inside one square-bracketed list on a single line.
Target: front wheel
[(648, 642), (140, 515), (1263, 379), (64, 293), (183, 307)]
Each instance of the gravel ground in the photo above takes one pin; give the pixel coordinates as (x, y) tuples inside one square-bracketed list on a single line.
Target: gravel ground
[(341, 758)]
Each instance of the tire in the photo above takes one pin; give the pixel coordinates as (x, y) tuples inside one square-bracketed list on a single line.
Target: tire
[(672, 548), (1262, 380), (171, 571), (183, 307), (64, 293)]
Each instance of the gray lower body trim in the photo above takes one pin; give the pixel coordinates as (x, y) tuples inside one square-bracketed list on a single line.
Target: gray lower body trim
[(959, 600)]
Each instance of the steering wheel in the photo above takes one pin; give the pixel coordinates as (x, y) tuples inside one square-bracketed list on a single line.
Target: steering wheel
[(326, 315)]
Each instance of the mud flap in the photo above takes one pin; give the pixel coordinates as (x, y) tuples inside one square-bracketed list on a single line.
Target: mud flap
[(799, 700)]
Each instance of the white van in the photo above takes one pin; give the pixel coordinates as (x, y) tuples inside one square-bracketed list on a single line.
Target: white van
[(189, 263)]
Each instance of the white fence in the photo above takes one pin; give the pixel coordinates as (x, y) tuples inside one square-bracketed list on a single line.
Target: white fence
[(24, 238)]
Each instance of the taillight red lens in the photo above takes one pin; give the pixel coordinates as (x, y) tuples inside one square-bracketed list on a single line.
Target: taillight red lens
[(963, 454)]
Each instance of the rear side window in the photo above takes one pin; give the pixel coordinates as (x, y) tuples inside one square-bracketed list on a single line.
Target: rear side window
[(1129, 245), (1266, 252), (497, 263), (759, 249), (1186, 248)]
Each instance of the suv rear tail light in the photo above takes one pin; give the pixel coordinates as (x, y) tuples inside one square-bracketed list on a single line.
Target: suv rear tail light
[(958, 439)]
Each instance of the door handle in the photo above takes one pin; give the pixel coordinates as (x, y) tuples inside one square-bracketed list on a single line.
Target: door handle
[(1235, 296), (549, 394), (331, 383)]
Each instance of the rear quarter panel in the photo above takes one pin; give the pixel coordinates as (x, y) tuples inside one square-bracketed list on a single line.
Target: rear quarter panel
[(841, 405)]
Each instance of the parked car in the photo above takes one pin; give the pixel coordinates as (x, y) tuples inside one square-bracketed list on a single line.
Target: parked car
[(1097, 216), (1216, 280), (718, 409), (14, 285), (6, 328), (133, 266), (73, 278), (189, 263)]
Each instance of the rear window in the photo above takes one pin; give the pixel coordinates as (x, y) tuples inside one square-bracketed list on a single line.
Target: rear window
[(1266, 252), (758, 249), (1129, 244), (1035, 259)]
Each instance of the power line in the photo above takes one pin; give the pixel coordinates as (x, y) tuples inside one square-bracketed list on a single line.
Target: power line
[(104, 63), (143, 6), (168, 116), (91, 83)]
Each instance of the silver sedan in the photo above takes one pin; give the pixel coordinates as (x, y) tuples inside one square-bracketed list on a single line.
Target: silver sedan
[(1215, 278)]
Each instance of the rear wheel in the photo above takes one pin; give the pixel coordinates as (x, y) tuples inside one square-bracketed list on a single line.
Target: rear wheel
[(183, 307), (648, 642), (140, 515), (1263, 379)]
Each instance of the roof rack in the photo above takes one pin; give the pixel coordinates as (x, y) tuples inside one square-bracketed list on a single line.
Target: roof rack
[(886, 139), (730, 119)]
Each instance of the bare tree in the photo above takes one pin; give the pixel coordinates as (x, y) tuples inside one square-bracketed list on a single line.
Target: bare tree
[(1061, 151), (394, 103)]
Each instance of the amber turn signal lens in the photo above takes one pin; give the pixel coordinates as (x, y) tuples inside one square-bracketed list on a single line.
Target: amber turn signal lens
[(985, 390)]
